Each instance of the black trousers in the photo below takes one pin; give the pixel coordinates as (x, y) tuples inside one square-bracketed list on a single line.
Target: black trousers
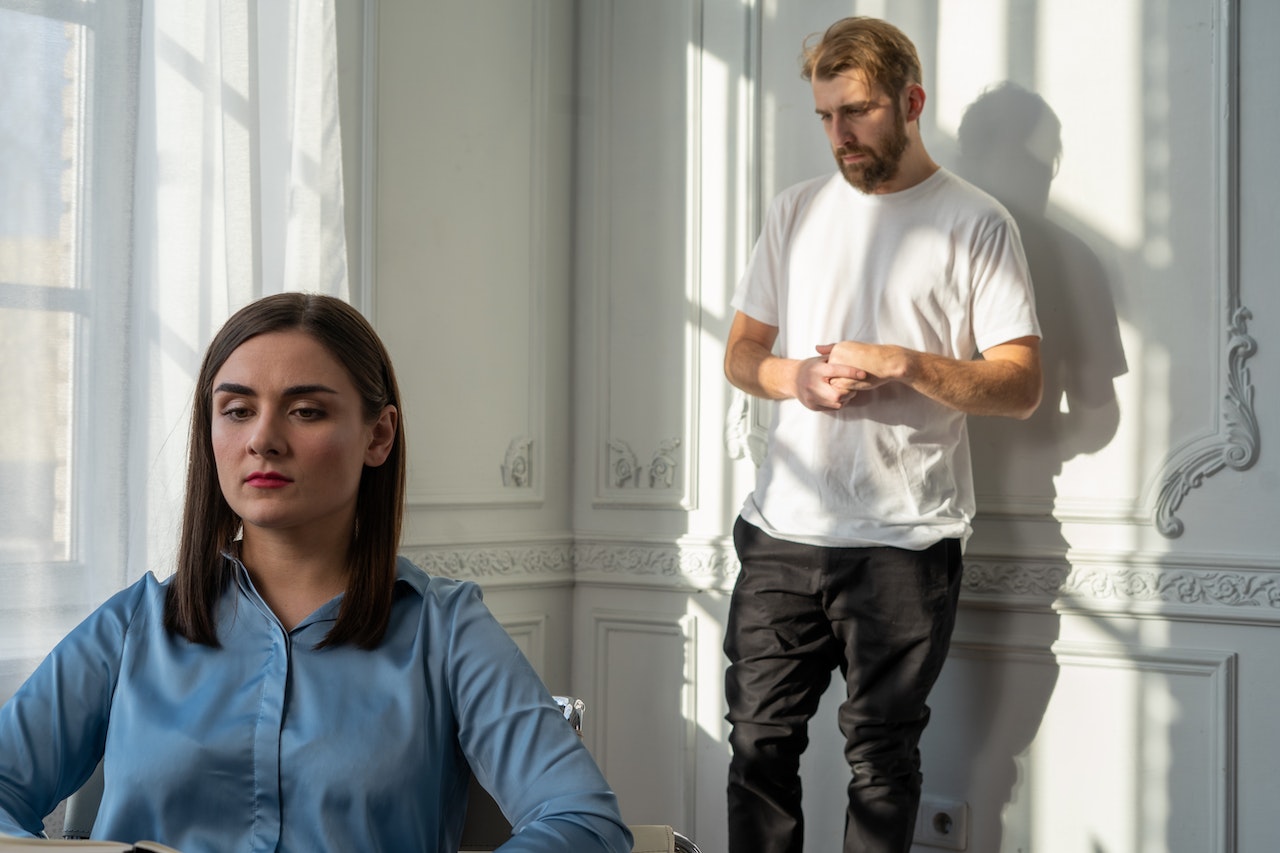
[(884, 617)]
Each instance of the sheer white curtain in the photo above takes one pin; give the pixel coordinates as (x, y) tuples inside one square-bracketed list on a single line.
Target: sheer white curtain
[(163, 164)]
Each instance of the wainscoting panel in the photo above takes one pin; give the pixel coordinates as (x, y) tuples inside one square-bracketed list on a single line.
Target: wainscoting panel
[(472, 242), (640, 253), (1065, 747), (641, 720)]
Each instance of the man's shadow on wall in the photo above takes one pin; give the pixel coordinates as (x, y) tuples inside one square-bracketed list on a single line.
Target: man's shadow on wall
[(1010, 144)]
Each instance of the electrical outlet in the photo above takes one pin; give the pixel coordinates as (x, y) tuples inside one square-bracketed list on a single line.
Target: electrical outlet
[(943, 822)]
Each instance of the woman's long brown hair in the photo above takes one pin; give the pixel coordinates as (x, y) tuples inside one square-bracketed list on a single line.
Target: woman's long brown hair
[(209, 526)]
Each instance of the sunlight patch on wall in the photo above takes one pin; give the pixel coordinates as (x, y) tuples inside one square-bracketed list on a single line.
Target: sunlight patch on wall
[(1089, 69), (971, 56), (1160, 715), (716, 173), (707, 683)]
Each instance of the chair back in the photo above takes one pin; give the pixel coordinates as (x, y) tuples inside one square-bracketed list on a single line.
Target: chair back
[(82, 807)]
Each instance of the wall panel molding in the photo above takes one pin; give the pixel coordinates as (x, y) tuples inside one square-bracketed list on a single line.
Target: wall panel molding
[(702, 564), (1242, 592), (539, 562), (636, 708), (518, 471), (1246, 592), (1177, 432), (1209, 675), (1235, 442), (666, 479), (1218, 672)]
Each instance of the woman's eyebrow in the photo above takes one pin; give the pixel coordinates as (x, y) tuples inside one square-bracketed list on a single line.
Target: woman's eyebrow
[(300, 390), (234, 388), (291, 391)]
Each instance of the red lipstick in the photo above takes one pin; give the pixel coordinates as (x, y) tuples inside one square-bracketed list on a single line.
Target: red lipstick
[(267, 480)]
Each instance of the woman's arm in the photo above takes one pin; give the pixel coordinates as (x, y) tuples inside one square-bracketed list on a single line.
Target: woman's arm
[(521, 748), (53, 729)]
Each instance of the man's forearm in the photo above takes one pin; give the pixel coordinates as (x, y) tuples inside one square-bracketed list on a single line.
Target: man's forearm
[(759, 372), (1005, 382), (985, 387), (750, 364)]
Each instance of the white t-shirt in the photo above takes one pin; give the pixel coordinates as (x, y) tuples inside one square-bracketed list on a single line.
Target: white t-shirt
[(938, 267)]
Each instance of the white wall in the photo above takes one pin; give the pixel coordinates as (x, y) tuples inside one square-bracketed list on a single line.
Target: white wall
[(565, 195), (471, 235)]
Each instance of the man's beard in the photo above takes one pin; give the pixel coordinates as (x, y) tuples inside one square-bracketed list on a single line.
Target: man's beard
[(870, 174)]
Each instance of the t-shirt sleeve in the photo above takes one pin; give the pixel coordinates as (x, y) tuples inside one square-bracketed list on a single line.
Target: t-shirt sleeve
[(759, 292), (1003, 300)]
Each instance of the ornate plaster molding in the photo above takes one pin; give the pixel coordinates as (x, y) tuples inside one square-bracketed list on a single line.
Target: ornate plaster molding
[(1235, 443), (625, 470), (1010, 580), (1249, 594), (623, 478), (700, 565), (743, 437), (515, 561), (662, 467), (624, 465), (517, 466), (1226, 593)]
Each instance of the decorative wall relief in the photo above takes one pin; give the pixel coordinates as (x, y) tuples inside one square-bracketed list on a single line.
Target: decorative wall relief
[(709, 564), (625, 470), (515, 561), (640, 237), (1243, 593), (662, 467), (1235, 594), (624, 467), (517, 468), (744, 436), (1235, 443)]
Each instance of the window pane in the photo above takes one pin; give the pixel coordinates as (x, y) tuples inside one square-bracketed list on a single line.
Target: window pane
[(40, 131), (35, 435)]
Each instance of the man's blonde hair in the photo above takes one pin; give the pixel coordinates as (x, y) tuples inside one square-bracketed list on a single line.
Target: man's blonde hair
[(869, 46)]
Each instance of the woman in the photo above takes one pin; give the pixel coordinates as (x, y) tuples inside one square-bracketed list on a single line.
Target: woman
[(295, 686)]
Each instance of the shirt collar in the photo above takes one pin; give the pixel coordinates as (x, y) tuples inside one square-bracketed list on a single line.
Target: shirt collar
[(408, 577)]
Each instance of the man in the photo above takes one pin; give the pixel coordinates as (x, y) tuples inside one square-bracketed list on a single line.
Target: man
[(866, 300)]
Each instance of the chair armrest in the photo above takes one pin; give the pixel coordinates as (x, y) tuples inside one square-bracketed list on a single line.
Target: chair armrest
[(653, 838)]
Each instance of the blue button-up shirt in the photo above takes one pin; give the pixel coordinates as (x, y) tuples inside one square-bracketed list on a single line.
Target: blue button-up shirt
[(270, 744)]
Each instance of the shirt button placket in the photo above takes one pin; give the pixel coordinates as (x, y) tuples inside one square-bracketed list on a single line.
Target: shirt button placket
[(267, 744)]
